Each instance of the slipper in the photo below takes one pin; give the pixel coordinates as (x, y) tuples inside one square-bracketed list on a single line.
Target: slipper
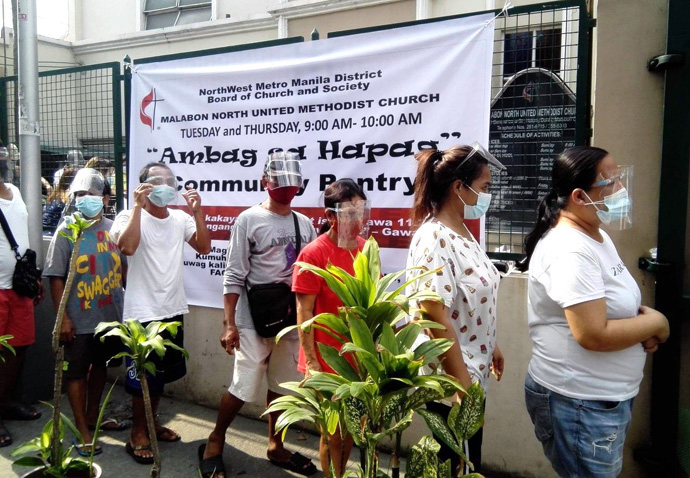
[(4, 435), (111, 425), (209, 467), (298, 464), (82, 448), (131, 450), (19, 411), (167, 435)]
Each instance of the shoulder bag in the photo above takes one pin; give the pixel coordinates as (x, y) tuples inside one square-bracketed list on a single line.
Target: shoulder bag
[(26, 276)]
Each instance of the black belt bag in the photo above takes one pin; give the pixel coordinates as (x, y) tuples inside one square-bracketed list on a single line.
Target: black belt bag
[(26, 276), (273, 306)]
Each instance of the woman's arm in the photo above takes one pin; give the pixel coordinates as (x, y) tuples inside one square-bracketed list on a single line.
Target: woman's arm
[(453, 363), (305, 311), (593, 331)]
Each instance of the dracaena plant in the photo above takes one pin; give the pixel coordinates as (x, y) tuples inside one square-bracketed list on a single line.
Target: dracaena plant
[(140, 343), (38, 452), (377, 381), (76, 225), (5, 344)]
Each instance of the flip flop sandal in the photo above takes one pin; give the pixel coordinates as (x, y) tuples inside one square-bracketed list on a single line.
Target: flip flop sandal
[(20, 412), (131, 450), (167, 435), (82, 448), (4, 435), (298, 464), (211, 466), (111, 425)]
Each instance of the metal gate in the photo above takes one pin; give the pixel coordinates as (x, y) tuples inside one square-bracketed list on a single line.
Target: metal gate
[(80, 124), (540, 92)]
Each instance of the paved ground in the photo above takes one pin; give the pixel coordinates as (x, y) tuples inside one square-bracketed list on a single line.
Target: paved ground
[(244, 455)]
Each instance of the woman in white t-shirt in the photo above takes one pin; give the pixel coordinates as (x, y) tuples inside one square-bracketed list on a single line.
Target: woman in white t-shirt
[(588, 329), (452, 186)]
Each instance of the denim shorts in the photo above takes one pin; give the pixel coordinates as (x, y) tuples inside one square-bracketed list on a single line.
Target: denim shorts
[(581, 438)]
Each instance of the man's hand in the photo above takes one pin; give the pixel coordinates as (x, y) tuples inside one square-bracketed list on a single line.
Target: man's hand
[(230, 339), (41, 293), (193, 199), (497, 363), (67, 330), (141, 194)]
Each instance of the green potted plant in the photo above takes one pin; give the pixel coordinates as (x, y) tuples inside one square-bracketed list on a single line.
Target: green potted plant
[(140, 342), (38, 452), (377, 388)]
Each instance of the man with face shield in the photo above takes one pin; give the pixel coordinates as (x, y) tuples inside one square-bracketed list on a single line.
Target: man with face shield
[(263, 247), (96, 296), (153, 236), (16, 311)]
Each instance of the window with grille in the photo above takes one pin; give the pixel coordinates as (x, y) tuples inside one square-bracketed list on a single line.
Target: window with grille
[(169, 13), (530, 49)]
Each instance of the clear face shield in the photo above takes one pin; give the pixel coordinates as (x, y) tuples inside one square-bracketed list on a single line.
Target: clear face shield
[(164, 191), (75, 158), (614, 188), (478, 149), (6, 173), (85, 193), (283, 170), (353, 221)]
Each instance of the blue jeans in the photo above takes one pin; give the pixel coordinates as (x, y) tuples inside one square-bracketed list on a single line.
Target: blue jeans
[(581, 438)]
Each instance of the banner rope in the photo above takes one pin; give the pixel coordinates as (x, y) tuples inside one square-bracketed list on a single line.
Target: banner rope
[(504, 12)]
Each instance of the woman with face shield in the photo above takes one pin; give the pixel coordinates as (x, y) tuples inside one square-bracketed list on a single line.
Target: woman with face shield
[(589, 330), (347, 213), (452, 186)]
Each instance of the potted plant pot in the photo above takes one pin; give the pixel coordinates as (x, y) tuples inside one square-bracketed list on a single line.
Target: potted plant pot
[(38, 473)]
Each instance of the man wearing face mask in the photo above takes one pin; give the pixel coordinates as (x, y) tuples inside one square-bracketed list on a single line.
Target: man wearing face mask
[(96, 296), (153, 236), (263, 247)]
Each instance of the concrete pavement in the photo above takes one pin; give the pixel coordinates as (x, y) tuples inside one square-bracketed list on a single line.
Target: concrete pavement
[(244, 454)]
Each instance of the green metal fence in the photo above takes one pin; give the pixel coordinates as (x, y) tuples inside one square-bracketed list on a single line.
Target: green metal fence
[(80, 124), (540, 91)]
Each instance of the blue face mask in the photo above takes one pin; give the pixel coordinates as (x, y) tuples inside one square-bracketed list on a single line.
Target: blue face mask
[(618, 205), (162, 195), (479, 209), (89, 206)]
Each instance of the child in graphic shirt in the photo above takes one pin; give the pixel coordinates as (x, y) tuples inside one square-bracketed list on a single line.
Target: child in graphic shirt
[(96, 296)]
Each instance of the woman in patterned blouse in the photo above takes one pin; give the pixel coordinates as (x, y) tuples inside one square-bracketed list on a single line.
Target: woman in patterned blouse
[(452, 186)]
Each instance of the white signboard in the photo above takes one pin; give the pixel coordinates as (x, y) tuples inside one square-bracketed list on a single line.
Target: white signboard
[(358, 106)]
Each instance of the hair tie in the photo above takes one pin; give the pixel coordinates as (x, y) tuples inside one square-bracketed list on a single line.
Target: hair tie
[(439, 153)]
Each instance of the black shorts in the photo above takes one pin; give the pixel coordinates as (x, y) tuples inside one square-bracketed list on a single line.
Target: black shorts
[(171, 367), (86, 351)]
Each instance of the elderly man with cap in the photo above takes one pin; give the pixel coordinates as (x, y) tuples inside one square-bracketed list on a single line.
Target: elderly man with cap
[(264, 245), (96, 296)]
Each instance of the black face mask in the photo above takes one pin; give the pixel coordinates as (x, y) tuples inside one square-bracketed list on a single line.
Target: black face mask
[(4, 168)]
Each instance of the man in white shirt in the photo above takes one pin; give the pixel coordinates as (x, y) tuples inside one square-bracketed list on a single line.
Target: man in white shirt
[(153, 235)]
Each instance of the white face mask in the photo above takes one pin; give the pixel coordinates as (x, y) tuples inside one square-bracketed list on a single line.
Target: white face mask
[(479, 209)]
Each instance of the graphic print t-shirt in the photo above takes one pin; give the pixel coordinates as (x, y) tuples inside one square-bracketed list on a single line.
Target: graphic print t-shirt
[(96, 294), (262, 250), (468, 285)]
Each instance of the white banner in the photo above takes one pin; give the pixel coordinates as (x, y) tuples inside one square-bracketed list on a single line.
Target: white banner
[(357, 106)]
